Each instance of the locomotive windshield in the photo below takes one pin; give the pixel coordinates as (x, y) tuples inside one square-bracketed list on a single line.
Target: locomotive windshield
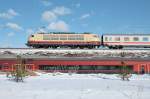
[(32, 35)]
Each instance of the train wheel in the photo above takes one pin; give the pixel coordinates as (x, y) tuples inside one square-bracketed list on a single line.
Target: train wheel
[(81, 47), (54, 47), (110, 47), (90, 47), (120, 47), (46, 46), (96, 47)]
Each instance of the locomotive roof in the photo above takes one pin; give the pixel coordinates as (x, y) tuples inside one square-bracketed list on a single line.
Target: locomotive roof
[(65, 33)]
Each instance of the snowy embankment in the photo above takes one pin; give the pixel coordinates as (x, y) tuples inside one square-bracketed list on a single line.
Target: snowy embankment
[(77, 52), (76, 86), (32, 51)]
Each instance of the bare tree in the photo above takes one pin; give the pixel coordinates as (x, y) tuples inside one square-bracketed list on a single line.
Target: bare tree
[(125, 72), (19, 70)]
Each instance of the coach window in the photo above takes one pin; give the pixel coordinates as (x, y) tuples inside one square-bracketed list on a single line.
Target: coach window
[(126, 39), (106, 38), (117, 39), (145, 39), (135, 39), (110, 38)]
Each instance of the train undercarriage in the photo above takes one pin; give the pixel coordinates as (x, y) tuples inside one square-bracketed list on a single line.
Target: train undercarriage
[(64, 46), (85, 46)]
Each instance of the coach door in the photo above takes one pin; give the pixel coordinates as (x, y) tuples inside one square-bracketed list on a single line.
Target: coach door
[(143, 68)]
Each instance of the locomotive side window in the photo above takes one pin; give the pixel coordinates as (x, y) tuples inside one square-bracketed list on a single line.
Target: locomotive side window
[(95, 36), (63, 37), (135, 39), (145, 39), (54, 38), (126, 39), (46, 37), (71, 37), (50, 37), (117, 38), (75, 37), (81, 38)]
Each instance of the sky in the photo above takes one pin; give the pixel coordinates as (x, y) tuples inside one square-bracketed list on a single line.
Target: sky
[(20, 18)]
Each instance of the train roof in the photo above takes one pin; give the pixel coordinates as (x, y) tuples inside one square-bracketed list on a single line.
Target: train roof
[(65, 33)]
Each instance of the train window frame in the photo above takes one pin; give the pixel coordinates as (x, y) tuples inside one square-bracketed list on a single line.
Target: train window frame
[(106, 38), (80, 38), (117, 39), (110, 38), (46, 38), (54, 38), (95, 36), (145, 39), (126, 38), (63, 38), (135, 39), (71, 38)]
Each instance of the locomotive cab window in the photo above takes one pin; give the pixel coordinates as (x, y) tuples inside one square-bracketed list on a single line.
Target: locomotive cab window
[(32, 35)]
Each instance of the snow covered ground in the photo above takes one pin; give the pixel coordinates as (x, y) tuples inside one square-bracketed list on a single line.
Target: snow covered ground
[(32, 51), (76, 86)]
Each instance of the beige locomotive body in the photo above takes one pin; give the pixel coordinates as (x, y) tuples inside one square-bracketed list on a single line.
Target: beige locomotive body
[(73, 40)]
